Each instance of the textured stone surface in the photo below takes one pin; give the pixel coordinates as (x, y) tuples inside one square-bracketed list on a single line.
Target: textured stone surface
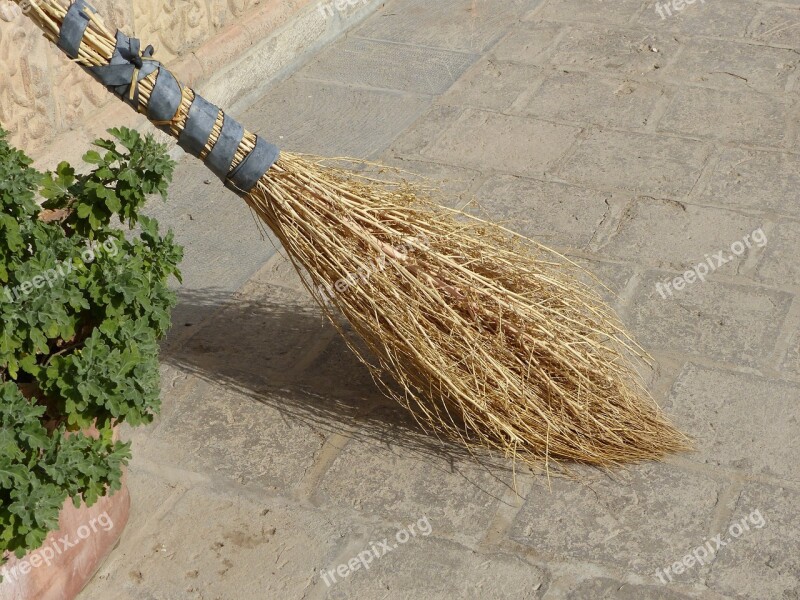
[(735, 65), (246, 441), (663, 165), (778, 26), (552, 213), (760, 415), (526, 42), (659, 511), (728, 322), (334, 118), (455, 572), (391, 66), (462, 25), (215, 544), (673, 235), (627, 51), (779, 265), (762, 563), (584, 98), (413, 142), (288, 318), (608, 589), (758, 181), (596, 12), (791, 362), (466, 137), (745, 117), (494, 85), (457, 496), (702, 18), (613, 276)]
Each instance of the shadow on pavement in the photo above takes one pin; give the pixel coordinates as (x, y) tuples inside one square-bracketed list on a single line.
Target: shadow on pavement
[(279, 350)]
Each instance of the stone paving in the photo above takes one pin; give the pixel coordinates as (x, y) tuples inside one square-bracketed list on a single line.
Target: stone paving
[(641, 146)]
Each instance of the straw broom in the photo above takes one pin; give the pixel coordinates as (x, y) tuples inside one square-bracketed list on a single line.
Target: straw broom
[(485, 336)]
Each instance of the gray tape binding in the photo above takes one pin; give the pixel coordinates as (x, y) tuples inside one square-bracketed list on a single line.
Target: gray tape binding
[(199, 125), (74, 27), (194, 138), (165, 99), (220, 159), (245, 176), (118, 75), (130, 64)]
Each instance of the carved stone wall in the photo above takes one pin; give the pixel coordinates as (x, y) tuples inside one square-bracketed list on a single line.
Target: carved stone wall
[(42, 95)]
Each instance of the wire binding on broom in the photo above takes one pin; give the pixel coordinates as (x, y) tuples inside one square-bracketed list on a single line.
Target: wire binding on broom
[(486, 336)]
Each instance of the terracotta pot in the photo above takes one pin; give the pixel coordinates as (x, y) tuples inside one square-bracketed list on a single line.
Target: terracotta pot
[(71, 556)]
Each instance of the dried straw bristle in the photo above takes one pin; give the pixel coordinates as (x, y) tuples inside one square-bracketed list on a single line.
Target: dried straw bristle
[(492, 338)]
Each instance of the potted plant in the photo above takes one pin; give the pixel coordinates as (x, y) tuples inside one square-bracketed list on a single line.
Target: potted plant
[(82, 309)]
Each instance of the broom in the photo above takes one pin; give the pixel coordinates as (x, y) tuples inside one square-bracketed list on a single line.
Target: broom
[(486, 337)]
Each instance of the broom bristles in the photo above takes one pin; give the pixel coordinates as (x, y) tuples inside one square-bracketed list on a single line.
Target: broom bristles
[(486, 337), (493, 339)]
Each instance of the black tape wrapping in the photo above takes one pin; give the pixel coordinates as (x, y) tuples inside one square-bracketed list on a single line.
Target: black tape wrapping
[(74, 28), (130, 64)]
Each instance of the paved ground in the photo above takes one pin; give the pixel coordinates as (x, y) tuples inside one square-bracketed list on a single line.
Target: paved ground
[(642, 146)]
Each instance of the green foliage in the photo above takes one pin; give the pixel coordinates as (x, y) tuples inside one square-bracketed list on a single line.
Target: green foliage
[(17, 184), (118, 185), (39, 470), (82, 308)]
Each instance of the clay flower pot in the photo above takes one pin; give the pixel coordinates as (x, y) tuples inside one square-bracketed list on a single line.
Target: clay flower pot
[(70, 556)]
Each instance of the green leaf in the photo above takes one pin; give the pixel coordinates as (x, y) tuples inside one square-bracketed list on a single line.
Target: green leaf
[(93, 158), (84, 210), (29, 365), (113, 204)]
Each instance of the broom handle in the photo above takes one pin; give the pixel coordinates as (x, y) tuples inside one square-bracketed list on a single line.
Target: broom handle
[(238, 157)]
